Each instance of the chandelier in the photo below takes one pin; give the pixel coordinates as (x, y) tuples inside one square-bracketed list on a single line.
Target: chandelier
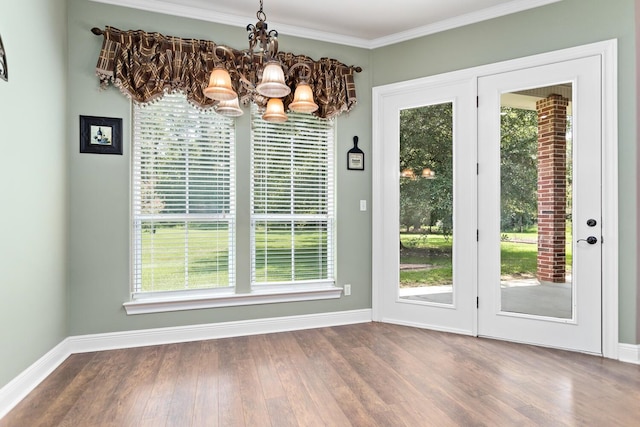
[(262, 74), (426, 174)]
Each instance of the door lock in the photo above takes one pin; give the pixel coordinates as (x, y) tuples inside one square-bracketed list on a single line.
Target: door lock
[(592, 222)]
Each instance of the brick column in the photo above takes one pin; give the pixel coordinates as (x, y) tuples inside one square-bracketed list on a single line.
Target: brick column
[(552, 188)]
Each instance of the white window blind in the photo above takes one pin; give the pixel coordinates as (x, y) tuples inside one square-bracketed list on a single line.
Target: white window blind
[(183, 197), (292, 200)]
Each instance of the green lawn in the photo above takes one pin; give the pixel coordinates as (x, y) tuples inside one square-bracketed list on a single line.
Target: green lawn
[(433, 250), (518, 258), (206, 265), (165, 266)]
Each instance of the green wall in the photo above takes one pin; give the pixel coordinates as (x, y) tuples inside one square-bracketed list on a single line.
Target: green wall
[(34, 189), (99, 184), (64, 263), (560, 25), (99, 263)]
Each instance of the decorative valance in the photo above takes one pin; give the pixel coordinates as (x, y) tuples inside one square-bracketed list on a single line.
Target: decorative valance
[(144, 66)]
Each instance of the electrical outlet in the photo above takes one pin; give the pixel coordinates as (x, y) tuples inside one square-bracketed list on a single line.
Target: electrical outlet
[(363, 205), (347, 290)]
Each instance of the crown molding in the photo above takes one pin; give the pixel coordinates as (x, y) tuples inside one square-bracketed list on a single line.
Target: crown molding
[(184, 11), (201, 14), (504, 9)]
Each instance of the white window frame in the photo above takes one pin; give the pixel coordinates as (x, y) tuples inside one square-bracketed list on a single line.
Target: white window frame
[(165, 301), (259, 128), (187, 210)]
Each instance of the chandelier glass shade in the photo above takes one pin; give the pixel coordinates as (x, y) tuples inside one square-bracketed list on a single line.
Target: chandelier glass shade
[(260, 71), (272, 84), (229, 108), (303, 99), (427, 173), (220, 87), (275, 111)]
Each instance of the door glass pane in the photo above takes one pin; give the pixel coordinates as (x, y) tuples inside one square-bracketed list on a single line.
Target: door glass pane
[(536, 208), (426, 204)]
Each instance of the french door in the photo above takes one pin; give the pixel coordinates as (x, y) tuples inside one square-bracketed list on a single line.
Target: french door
[(488, 190), (424, 243), (539, 219)]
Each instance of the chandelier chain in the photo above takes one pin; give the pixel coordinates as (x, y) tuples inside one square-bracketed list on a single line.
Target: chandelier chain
[(260, 14)]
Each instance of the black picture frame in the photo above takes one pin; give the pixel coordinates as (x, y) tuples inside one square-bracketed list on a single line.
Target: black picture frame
[(355, 157), (4, 73), (100, 135)]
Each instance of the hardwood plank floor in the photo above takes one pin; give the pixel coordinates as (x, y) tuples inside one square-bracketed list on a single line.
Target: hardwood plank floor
[(357, 375)]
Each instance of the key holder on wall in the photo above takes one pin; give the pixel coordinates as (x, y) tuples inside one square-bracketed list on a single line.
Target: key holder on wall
[(3, 62)]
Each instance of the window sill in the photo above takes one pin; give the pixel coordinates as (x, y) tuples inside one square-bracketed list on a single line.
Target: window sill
[(213, 300)]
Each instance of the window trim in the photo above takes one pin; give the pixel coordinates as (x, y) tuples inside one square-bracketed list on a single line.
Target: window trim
[(194, 300)]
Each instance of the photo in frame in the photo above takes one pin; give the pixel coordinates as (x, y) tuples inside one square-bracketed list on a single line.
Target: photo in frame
[(100, 135)]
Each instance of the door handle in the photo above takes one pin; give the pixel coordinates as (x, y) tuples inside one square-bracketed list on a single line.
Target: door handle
[(592, 240)]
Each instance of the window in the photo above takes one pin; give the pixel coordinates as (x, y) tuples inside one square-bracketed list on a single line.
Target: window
[(183, 198), (292, 201), (184, 251)]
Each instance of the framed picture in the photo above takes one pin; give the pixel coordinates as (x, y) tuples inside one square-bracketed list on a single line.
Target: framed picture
[(4, 74), (100, 135), (355, 157)]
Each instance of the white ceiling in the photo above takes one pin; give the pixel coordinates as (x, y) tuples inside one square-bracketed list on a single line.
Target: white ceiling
[(359, 23)]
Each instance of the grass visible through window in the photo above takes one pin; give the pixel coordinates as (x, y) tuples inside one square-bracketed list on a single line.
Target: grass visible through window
[(166, 267), (426, 259)]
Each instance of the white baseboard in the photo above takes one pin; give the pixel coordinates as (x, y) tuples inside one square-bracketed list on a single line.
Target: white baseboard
[(629, 353), (426, 326), (147, 337), (16, 390)]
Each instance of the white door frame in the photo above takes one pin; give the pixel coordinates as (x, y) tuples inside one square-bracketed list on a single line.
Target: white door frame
[(608, 52)]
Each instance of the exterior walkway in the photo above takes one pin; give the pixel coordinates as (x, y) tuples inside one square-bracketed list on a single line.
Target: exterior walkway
[(526, 296)]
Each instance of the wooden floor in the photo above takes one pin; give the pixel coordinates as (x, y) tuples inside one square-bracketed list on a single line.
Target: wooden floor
[(362, 375)]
